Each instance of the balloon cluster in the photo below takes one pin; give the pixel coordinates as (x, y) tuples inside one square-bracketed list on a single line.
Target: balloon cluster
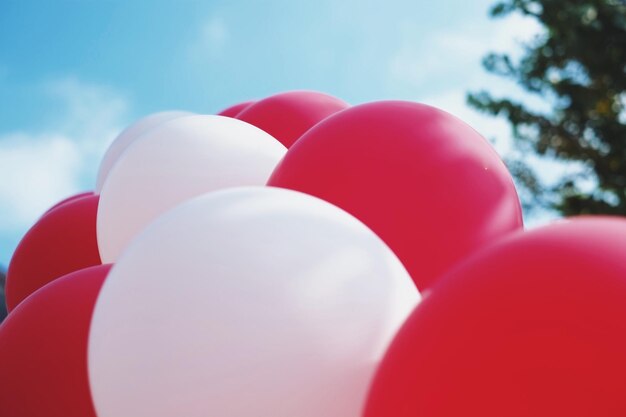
[(268, 261)]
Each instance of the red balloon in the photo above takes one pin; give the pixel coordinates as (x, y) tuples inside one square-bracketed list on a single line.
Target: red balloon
[(43, 346), (235, 109), (428, 184), (286, 116), (532, 326), (71, 198), (62, 241)]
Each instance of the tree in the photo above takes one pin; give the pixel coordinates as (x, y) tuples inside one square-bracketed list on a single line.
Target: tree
[(579, 66)]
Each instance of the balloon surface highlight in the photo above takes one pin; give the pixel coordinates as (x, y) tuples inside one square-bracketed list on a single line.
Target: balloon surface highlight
[(533, 326), (179, 160), (128, 136), (427, 183), (286, 116), (62, 241), (71, 198)]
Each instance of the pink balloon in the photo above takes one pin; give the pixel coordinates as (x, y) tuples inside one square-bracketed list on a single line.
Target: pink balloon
[(286, 116), (62, 241), (235, 109), (534, 325), (71, 198), (43, 349), (428, 184)]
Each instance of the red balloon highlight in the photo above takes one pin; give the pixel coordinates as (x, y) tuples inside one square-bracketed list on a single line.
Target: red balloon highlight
[(427, 183), (286, 116), (235, 109), (71, 198), (43, 346), (62, 241), (532, 326)]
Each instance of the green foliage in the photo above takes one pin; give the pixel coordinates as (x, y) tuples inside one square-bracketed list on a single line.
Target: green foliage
[(579, 66)]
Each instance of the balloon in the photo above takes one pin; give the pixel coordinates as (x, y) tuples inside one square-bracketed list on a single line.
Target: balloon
[(71, 198), (128, 136), (428, 184), (532, 326), (62, 241), (179, 160), (43, 346), (234, 110), (286, 116), (252, 301)]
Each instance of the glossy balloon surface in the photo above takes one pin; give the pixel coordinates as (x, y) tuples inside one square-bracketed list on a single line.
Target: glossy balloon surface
[(253, 301), (533, 326), (43, 349), (427, 183)]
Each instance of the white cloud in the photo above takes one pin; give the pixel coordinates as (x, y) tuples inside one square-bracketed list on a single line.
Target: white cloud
[(39, 168), (496, 130), (460, 54), (92, 114), (214, 32), (210, 40), (456, 53), (510, 33), (455, 57), (444, 53)]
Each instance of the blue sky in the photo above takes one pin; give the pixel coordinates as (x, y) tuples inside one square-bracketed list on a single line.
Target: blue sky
[(73, 74)]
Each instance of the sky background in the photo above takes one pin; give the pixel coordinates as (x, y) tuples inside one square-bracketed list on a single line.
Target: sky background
[(74, 73)]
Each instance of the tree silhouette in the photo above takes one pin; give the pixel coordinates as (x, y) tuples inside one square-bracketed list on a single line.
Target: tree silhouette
[(579, 66)]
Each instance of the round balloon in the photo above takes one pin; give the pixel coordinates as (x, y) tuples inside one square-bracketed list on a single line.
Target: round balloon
[(62, 241), (428, 184), (179, 160), (128, 136), (43, 346), (253, 301), (71, 198), (533, 326), (286, 116), (235, 109)]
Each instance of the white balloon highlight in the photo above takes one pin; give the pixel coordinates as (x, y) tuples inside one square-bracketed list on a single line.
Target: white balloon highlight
[(173, 162), (128, 136), (248, 302)]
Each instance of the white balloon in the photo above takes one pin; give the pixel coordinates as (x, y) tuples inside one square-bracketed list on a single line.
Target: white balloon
[(173, 162), (128, 136), (248, 302)]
